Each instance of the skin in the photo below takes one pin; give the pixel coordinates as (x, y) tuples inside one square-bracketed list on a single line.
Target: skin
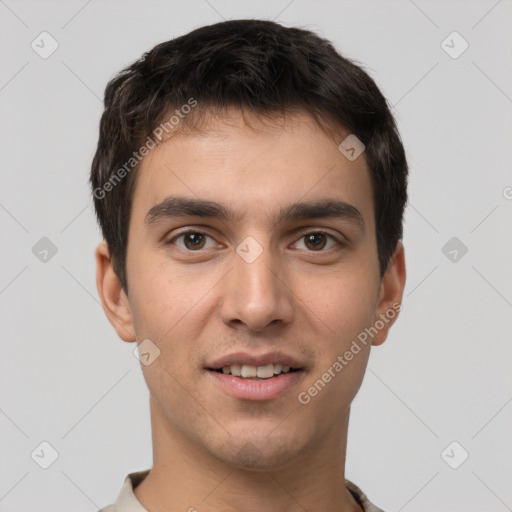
[(211, 451)]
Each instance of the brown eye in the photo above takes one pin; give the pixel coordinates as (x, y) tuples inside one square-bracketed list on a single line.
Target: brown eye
[(315, 241), (192, 241)]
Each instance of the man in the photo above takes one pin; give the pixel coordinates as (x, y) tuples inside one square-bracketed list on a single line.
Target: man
[(250, 185)]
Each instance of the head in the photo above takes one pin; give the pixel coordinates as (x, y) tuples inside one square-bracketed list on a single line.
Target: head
[(237, 133)]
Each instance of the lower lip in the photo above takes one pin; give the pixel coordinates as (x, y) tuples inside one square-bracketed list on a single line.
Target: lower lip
[(257, 390)]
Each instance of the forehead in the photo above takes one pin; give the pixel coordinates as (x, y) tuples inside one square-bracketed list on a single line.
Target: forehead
[(254, 166)]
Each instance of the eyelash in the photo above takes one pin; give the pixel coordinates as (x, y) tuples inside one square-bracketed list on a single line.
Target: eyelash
[(302, 235)]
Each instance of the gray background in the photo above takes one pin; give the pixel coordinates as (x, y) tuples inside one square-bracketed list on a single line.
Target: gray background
[(444, 373)]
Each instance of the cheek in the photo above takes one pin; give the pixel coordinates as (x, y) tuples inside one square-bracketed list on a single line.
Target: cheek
[(171, 308), (163, 297), (341, 357), (341, 304)]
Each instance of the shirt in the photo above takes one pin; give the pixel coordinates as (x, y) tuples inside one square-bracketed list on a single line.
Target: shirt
[(127, 502)]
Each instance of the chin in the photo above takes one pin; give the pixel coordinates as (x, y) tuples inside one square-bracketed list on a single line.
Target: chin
[(258, 453)]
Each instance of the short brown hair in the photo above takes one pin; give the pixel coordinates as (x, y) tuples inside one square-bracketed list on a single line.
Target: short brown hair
[(253, 65)]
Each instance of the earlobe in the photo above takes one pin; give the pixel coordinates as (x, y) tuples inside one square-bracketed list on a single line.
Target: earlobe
[(113, 299), (390, 295)]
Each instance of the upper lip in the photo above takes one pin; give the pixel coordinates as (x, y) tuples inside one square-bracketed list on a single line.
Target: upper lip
[(242, 358)]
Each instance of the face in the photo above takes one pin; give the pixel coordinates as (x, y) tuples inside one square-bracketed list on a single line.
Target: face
[(253, 245)]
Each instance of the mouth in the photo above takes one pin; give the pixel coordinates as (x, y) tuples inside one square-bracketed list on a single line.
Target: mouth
[(245, 371), (255, 383), (255, 377)]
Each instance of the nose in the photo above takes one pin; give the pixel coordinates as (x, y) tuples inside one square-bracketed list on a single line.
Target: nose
[(257, 293)]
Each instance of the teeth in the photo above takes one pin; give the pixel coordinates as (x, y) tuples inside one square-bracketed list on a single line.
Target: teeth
[(248, 371), (262, 372), (235, 370)]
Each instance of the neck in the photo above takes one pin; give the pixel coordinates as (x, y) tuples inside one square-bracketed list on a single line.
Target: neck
[(185, 477)]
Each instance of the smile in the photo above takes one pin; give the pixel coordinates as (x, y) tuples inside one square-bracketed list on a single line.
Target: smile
[(252, 387), (247, 371)]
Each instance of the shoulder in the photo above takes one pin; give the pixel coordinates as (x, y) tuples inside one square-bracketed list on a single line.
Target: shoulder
[(126, 500), (361, 498)]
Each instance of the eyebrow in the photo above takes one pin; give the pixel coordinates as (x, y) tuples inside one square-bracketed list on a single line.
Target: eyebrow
[(175, 207)]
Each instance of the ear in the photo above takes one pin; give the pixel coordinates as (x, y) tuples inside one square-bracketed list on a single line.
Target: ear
[(113, 299), (390, 295)]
